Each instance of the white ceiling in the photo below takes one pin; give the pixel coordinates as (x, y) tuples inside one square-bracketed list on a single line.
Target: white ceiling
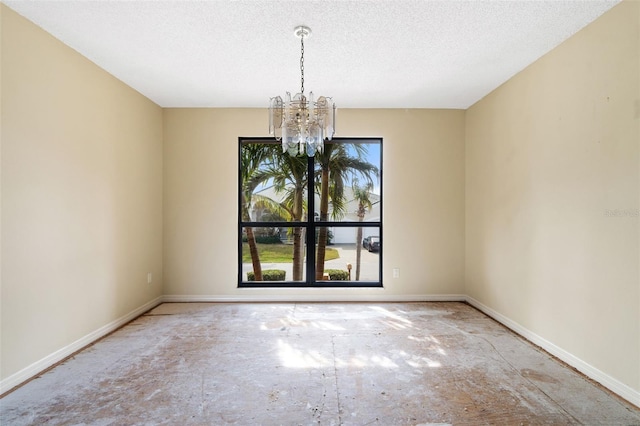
[(363, 53)]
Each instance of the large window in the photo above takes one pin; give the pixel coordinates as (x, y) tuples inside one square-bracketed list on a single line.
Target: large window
[(310, 222)]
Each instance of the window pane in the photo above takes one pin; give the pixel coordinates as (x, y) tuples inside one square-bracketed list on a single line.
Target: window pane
[(348, 188), (348, 260), (279, 252), (273, 184)]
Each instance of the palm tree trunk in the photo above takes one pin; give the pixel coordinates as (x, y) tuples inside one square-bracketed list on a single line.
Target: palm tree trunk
[(297, 258), (358, 248), (297, 236), (324, 213), (255, 257), (362, 195), (251, 240)]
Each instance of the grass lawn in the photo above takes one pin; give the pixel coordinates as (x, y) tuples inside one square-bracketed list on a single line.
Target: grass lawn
[(279, 253)]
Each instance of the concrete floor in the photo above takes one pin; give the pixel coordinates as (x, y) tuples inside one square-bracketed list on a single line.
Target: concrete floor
[(323, 364)]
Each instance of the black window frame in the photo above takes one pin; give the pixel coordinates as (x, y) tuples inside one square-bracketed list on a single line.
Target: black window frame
[(310, 224)]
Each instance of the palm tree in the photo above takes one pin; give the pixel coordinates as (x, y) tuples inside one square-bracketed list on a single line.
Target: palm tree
[(337, 166), (289, 177), (361, 194), (253, 157)]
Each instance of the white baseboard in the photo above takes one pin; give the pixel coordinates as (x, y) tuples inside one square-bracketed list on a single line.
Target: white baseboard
[(250, 296), (59, 355), (626, 392)]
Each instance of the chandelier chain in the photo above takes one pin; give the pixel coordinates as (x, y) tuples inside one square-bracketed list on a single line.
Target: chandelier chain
[(302, 64)]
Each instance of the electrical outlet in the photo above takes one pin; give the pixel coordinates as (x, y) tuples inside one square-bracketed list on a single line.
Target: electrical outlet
[(396, 272), (149, 278)]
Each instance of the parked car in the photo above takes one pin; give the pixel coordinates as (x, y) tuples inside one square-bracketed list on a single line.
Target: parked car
[(371, 243)]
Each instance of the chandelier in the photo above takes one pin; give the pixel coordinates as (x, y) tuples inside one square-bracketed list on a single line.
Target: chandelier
[(302, 123)]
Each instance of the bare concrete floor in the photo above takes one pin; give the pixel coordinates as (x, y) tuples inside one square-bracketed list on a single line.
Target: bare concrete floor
[(323, 364)]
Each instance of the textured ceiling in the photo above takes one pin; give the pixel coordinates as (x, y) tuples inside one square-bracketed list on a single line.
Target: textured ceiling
[(366, 54)]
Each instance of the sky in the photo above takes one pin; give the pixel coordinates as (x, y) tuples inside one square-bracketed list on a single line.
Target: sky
[(373, 157)]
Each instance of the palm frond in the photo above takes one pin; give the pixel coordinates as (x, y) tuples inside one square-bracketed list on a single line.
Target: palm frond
[(281, 209)]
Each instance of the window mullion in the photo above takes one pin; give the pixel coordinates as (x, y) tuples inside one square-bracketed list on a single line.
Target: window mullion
[(311, 228)]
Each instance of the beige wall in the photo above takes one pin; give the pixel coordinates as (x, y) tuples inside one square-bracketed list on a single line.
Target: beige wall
[(550, 156), (81, 196), (423, 190)]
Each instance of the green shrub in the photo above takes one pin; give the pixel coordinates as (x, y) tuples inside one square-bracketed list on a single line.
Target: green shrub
[(268, 239), (269, 275), (337, 274)]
